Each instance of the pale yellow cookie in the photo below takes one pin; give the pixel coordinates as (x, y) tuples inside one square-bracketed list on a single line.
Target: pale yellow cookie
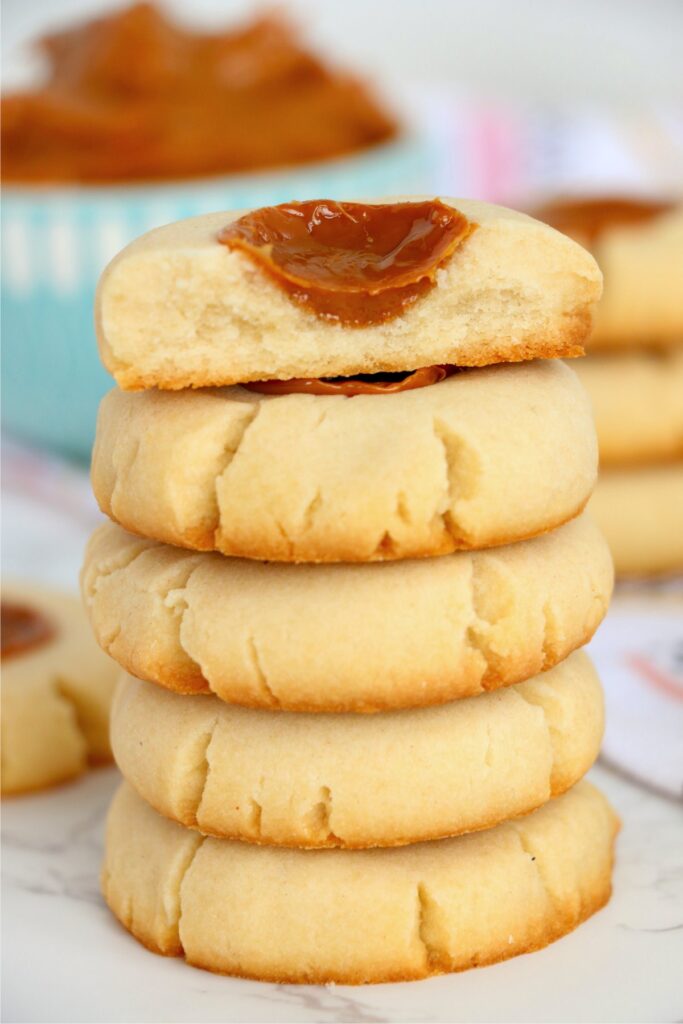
[(640, 512), (304, 779), (354, 916), (642, 304), (485, 457), (638, 404), (56, 690), (345, 637), (177, 309), (638, 243)]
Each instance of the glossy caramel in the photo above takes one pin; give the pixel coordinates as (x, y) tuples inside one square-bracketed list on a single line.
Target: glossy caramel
[(362, 384), (355, 263)]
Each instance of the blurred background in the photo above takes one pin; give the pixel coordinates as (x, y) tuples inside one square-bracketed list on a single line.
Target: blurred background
[(571, 53)]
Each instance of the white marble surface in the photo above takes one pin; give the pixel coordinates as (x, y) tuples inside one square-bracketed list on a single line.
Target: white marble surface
[(66, 959)]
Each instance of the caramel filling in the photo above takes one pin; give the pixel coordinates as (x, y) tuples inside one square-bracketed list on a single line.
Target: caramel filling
[(361, 384), (132, 96), (23, 629), (354, 263), (587, 219)]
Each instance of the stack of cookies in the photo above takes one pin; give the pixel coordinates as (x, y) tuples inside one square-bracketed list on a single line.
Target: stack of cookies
[(348, 576), (634, 375)]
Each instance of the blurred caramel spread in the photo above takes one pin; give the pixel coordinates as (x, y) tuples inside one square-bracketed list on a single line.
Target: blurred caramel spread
[(362, 384), (23, 629), (134, 97), (355, 263), (586, 219)]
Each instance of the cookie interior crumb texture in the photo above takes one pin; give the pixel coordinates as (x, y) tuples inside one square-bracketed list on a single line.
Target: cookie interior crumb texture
[(176, 309)]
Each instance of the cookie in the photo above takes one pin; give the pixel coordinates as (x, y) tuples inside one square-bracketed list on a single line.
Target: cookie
[(640, 512), (485, 457), (56, 690), (354, 916), (638, 246), (178, 309), (638, 404), (345, 637), (303, 779)]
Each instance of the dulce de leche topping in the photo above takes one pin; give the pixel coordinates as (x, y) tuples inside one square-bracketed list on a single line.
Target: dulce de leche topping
[(23, 629), (355, 263), (362, 384), (587, 219), (134, 97)]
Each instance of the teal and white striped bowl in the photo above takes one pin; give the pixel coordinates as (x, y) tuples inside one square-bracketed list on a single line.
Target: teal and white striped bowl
[(56, 241)]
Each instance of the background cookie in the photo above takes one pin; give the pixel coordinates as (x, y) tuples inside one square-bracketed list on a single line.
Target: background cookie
[(358, 916), (640, 512), (345, 637), (358, 780), (641, 304), (485, 457), (176, 309), (55, 693), (637, 399), (637, 243)]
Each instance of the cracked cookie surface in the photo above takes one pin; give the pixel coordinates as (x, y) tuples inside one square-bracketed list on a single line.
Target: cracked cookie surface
[(55, 698), (304, 779), (425, 909), (483, 458), (345, 637)]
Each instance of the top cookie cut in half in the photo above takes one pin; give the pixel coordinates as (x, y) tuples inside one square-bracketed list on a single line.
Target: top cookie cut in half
[(328, 289)]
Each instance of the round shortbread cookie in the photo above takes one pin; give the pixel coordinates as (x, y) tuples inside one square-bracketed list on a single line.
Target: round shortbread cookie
[(345, 637), (640, 512), (354, 916), (482, 458), (302, 779), (641, 306), (638, 405), (55, 695), (176, 309)]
